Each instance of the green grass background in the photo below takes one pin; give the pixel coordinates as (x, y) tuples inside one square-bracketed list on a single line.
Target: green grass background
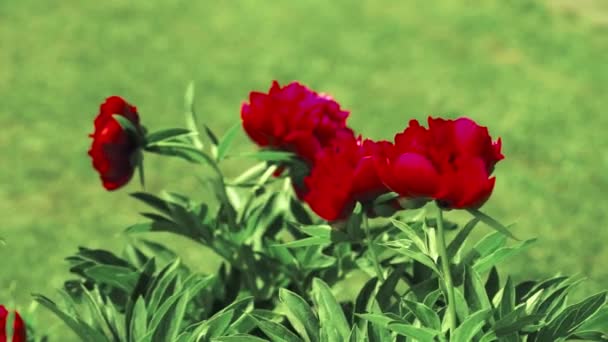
[(535, 72)]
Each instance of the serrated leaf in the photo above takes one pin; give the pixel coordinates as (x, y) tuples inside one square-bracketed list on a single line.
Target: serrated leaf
[(300, 315), (471, 326)]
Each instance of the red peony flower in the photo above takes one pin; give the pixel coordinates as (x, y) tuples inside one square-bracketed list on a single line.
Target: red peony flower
[(113, 149), (19, 330), (293, 118), (343, 174), (451, 162)]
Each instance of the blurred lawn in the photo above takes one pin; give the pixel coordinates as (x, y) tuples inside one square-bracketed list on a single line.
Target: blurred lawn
[(537, 76)]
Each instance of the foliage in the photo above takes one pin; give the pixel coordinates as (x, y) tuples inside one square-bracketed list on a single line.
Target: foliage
[(281, 266)]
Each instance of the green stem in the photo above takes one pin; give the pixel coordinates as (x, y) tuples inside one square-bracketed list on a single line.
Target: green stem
[(370, 246), (447, 276)]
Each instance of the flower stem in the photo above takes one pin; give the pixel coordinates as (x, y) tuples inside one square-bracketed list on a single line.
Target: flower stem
[(447, 276), (370, 246)]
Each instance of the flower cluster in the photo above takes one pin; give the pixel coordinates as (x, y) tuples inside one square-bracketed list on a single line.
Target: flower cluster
[(450, 161), (19, 331)]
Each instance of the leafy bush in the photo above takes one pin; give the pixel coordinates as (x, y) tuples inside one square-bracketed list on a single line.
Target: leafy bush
[(383, 237)]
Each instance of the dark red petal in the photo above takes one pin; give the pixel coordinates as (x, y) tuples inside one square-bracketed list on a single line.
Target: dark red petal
[(3, 318), (366, 182), (115, 105), (414, 138), (468, 185), (19, 330), (329, 188)]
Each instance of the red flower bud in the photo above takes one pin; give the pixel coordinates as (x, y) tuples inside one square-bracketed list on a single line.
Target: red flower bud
[(19, 330), (113, 147), (293, 118)]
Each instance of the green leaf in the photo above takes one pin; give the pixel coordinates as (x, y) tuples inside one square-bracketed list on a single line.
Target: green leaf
[(462, 308), (471, 326), (456, 244), (507, 302), (485, 263), (492, 223), (212, 137), (425, 314), (270, 155), (153, 201), (309, 241), (571, 318), (139, 320), (181, 150), (218, 324), (167, 134), (514, 321), (238, 338), (362, 302), (387, 288), (404, 247), (588, 336), (492, 284), (80, 328), (226, 141), (190, 116), (474, 291), (380, 320), (331, 316), (171, 321), (487, 245), (599, 321), (411, 235), (126, 125), (120, 277), (300, 315), (416, 333), (276, 332)]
